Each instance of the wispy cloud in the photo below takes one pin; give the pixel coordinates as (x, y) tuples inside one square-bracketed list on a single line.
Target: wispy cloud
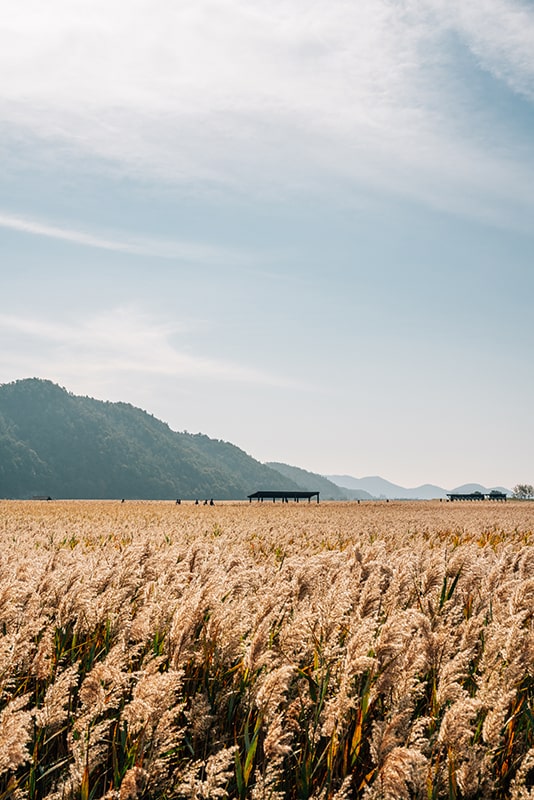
[(500, 34), (121, 341), (182, 251), (252, 94)]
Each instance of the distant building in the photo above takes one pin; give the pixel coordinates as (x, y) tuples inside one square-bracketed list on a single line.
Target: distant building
[(493, 495), (283, 496)]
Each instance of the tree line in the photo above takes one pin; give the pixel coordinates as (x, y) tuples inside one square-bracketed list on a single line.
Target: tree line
[(523, 491)]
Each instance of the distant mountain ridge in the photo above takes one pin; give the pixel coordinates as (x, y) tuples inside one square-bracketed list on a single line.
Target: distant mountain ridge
[(379, 487), (318, 483), (55, 443), (469, 488)]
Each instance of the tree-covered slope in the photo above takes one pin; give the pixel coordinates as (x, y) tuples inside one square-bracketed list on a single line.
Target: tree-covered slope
[(55, 443)]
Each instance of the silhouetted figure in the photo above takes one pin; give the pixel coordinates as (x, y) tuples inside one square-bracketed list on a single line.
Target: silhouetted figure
[(122, 501), (205, 502), (196, 502), (178, 502), (211, 502)]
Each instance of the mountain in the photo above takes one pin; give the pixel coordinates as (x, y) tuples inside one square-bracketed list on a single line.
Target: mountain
[(317, 483), (55, 443), (469, 488), (379, 487)]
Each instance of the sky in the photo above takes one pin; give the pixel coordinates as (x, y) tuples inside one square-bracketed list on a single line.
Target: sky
[(305, 227)]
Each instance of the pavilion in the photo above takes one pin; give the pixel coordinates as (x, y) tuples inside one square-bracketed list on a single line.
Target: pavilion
[(283, 496)]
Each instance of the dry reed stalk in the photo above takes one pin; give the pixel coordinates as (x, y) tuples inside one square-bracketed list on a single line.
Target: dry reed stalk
[(334, 651)]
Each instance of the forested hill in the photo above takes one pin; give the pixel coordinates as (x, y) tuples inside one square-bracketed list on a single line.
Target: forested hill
[(55, 443)]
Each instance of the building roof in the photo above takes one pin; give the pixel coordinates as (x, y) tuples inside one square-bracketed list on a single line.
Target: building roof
[(281, 494)]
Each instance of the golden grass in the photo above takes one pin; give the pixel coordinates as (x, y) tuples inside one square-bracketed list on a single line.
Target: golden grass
[(380, 650)]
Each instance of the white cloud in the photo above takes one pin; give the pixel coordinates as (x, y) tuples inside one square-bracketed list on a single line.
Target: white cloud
[(253, 94), (123, 341), (500, 33), (183, 251)]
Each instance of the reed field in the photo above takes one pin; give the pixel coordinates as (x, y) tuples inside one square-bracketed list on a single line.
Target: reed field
[(266, 651)]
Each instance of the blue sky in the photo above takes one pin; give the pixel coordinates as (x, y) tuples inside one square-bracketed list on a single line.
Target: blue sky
[(303, 227)]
